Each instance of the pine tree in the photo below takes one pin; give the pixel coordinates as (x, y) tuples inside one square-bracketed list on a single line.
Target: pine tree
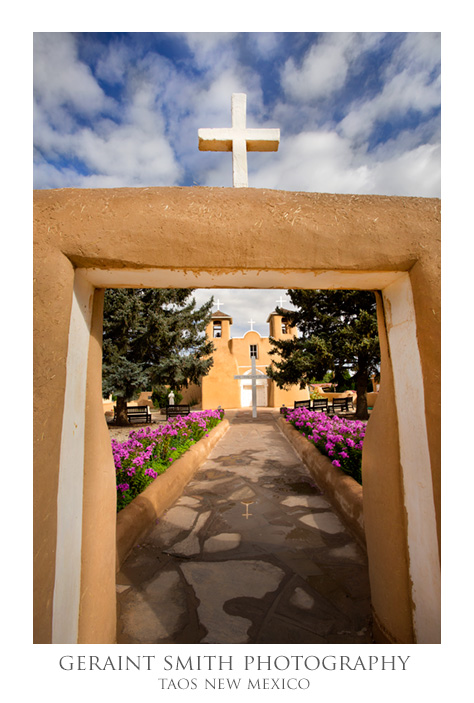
[(338, 332), (152, 337)]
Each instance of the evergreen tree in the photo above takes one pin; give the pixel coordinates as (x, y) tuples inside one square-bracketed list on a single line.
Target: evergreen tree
[(152, 337), (338, 332)]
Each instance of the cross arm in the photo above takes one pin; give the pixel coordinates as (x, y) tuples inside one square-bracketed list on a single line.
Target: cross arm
[(215, 139), (221, 139), (262, 139), (249, 378)]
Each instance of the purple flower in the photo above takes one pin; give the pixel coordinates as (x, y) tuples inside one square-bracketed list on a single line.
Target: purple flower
[(339, 435), (132, 458)]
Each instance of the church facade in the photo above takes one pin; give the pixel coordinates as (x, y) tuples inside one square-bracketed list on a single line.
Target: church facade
[(233, 357)]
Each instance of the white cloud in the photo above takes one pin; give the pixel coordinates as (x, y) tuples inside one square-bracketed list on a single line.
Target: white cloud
[(413, 172), (244, 305), (325, 67), (323, 70), (212, 50), (409, 86), (313, 161), (404, 92), (419, 53), (131, 151), (326, 162), (427, 132), (266, 43), (48, 176), (114, 63), (60, 79)]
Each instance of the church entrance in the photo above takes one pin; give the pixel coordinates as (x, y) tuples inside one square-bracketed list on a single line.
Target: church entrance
[(246, 392)]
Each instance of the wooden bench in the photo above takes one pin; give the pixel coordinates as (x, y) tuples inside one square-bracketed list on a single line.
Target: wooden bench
[(317, 404), (302, 404), (341, 404), (134, 412), (175, 410), (320, 404)]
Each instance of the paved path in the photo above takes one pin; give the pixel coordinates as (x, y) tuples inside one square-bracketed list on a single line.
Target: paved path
[(288, 572)]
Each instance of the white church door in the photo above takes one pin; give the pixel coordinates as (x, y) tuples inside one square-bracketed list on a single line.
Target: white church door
[(246, 393), (262, 395)]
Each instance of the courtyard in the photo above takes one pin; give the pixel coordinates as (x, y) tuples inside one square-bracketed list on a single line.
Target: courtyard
[(252, 552)]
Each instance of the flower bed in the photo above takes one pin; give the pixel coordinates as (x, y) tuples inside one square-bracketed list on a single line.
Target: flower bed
[(339, 439), (148, 451)]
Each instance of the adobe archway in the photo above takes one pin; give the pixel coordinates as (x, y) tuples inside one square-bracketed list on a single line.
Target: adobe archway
[(86, 240)]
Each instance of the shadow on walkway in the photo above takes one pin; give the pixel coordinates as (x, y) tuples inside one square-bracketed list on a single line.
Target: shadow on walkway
[(250, 553)]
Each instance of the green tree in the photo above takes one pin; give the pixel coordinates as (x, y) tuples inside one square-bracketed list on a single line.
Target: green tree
[(152, 337), (337, 332)]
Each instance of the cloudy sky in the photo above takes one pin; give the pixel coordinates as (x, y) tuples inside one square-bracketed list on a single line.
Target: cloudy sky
[(357, 113)]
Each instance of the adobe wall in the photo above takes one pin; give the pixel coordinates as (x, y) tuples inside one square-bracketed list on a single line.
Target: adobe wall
[(240, 348), (250, 238), (372, 399), (286, 396), (97, 597), (219, 387), (193, 393)]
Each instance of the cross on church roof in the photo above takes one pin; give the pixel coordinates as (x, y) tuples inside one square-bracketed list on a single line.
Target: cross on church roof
[(218, 304), (280, 302), (251, 323), (238, 139)]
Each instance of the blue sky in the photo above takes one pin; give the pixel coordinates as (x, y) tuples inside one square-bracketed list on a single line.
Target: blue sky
[(357, 113)]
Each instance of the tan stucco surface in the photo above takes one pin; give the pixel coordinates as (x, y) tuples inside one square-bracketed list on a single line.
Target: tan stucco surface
[(243, 234), (97, 597), (383, 506), (241, 230)]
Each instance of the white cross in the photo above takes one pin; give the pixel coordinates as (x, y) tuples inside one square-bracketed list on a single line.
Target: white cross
[(251, 323), (280, 302), (238, 139), (218, 304), (253, 377)]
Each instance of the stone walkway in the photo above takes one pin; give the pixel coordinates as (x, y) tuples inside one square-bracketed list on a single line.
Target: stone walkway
[(250, 553)]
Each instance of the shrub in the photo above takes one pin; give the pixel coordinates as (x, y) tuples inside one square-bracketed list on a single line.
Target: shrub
[(339, 439), (148, 452)]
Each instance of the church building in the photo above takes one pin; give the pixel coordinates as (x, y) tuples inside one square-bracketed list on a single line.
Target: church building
[(233, 357)]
